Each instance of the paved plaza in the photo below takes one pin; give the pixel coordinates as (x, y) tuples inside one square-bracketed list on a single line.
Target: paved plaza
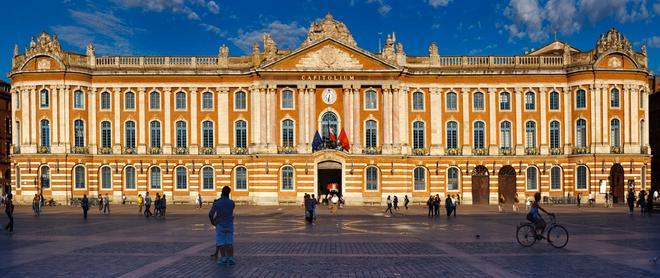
[(357, 242)]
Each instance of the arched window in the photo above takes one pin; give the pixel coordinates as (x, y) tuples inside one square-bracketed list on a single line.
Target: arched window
[(452, 101), (45, 176), (530, 101), (207, 134), (240, 177), (79, 176), (329, 121), (78, 99), (452, 178), (180, 101), (581, 133), (418, 101), (555, 178), (614, 98), (505, 135), (129, 134), (581, 180), (240, 134), (287, 99), (44, 99), (287, 178), (106, 177), (154, 100), (207, 100), (181, 134), (154, 179), (371, 178), (287, 133), (154, 134), (45, 133), (371, 134), (240, 101), (532, 178), (452, 135), (129, 173), (478, 101), (105, 101), (181, 177), (207, 178), (370, 100), (106, 135), (555, 139), (129, 101), (505, 101), (580, 99), (479, 134), (554, 100), (530, 134), (615, 133), (419, 179), (78, 133), (418, 135)]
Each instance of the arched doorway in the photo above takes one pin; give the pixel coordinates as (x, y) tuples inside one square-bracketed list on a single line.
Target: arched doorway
[(480, 185), (617, 183), (329, 178), (506, 183)]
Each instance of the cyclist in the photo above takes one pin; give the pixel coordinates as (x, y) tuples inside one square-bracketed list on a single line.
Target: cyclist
[(535, 217)]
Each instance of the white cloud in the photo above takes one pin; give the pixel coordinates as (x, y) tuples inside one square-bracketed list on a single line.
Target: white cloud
[(656, 8), (438, 3), (176, 6), (213, 29), (287, 36), (213, 7), (562, 16), (653, 42), (621, 10), (108, 32), (527, 19), (383, 7)]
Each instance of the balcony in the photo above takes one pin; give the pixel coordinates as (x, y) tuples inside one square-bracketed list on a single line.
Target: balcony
[(207, 151), (43, 149), (105, 150), (507, 151), (582, 150), (287, 150), (454, 151), (154, 150), (129, 151), (616, 149), (556, 151), (532, 151), (372, 150), (420, 151), (238, 151), (480, 151), (180, 150), (80, 150)]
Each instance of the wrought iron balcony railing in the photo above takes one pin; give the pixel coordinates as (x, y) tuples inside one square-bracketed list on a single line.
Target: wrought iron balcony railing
[(507, 151), (420, 151), (43, 149), (480, 151), (454, 151), (372, 150), (287, 150), (531, 151), (180, 150), (238, 151), (79, 150), (582, 150), (556, 151), (207, 150), (616, 149)]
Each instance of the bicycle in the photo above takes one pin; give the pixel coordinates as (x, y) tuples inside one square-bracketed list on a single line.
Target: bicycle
[(556, 234)]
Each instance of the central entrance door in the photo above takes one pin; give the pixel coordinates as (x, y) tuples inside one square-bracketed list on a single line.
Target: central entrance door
[(480, 185), (506, 183), (329, 178), (617, 183)]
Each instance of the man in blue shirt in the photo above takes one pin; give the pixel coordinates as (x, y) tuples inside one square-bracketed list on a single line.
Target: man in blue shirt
[(222, 217)]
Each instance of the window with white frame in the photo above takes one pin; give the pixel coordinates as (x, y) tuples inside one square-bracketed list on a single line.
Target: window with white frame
[(105, 101), (207, 134), (555, 133), (287, 99), (452, 101), (478, 101), (505, 135), (418, 101), (418, 135), (44, 99), (129, 101), (181, 134), (240, 134), (240, 102), (79, 174), (371, 178), (181, 177), (154, 134), (78, 99), (614, 98), (581, 180), (207, 178), (581, 133), (287, 178), (154, 100), (371, 134), (555, 178), (532, 178), (155, 178), (452, 178), (452, 135), (129, 173), (554, 100), (78, 133), (419, 179), (530, 101), (106, 135), (129, 134), (207, 101), (45, 133), (370, 100), (615, 133), (180, 101), (106, 177), (505, 101), (44, 176), (287, 133), (240, 176), (530, 134), (479, 134), (580, 99)]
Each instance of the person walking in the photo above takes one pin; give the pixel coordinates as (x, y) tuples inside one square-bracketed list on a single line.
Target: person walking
[(515, 203), (123, 199), (631, 201), (500, 203), (436, 205), (163, 205), (429, 203), (222, 217), (396, 202), (579, 200), (157, 205), (405, 201), (335, 203), (448, 205), (100, 197), (106, 204), (309, 205), (455, 204), (389, 205), (84, 204), (42, 202), (140, 202), (147, 205), (642, 202), (35, 204), (198, 201), (9, 210)]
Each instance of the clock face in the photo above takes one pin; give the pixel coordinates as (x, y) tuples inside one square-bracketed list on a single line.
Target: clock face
[(329, 96)]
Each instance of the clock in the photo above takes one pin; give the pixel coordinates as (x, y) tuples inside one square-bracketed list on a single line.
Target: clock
[(329, 96)]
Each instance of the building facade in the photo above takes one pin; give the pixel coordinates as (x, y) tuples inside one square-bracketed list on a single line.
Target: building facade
[(5, 137), (559, 121)]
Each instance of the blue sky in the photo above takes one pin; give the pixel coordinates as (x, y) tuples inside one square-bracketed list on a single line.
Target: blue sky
[(199, 27)]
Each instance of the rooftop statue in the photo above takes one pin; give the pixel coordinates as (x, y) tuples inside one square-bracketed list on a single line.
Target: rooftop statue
[(329, 28)]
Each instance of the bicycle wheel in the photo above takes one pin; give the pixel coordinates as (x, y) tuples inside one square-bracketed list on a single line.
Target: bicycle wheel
[(526, 235), (558, 236)]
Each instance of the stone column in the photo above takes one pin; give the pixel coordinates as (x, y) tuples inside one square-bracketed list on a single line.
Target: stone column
[(167, 123), (264, 119), (57, 101), (568, 120), (436, 122), (347, 112), (312, 110), (625, 131), (33, 118), (357, 120), (598, 92), (142, 129), (519, 122), (634, 119), (386, 110), (307, 112), (15, 140), (67, 120), (273, 130), (91, 123), (300, 106), (493, 125), (465, 125), (593, 121), (605, 120), (117, 124), (194, 123), (404, 124), (645, 132), (255, 118), (26, 107), (543, 95), (396, 137), (223, 121)]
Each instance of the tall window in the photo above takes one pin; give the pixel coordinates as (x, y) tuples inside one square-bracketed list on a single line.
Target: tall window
[(370, 100), (371, 178), (287, 133), (181, 134), (452, 135), (180, 101), (530, 134), (207, 100), (452, 178), (79, 175), (329, 122), (241, 178), (287, 99), (207, 134), (240, 102), (478, 137), (105, 101), (78, 99), (555, 140), (45, 133), (452, 101), (129, 134), (155, 179), (106, 135), (154, 134), (240, 134), (554, 100), (615, 133), (78, 133), (614, 98), (532, 178), (478, 101), (45, 176), (207, 178), (371, 134), (581, 133), (580, 99), (555, 178), (154, 100), (129, 174), (505, 135), (106, 177), (418, 101), (419, 179), (129, 101), (530, 101), (181, 177), (18, 177), (505, 101), (581, 181), (287, 178), (418, 135), (44, 99)]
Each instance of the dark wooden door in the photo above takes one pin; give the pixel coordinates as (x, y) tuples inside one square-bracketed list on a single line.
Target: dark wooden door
[(617, 183), (506, 183), (480, 185)]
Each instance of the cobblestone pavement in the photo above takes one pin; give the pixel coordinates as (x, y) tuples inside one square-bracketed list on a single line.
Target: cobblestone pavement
[(357, 242)]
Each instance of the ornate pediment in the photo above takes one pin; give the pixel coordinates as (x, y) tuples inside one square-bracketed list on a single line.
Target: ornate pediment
[(613, 41), (329, 57), (44, 45), (329, 28)]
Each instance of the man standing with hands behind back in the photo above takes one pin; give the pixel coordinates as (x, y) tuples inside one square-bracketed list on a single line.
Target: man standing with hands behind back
[(222, 217)]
